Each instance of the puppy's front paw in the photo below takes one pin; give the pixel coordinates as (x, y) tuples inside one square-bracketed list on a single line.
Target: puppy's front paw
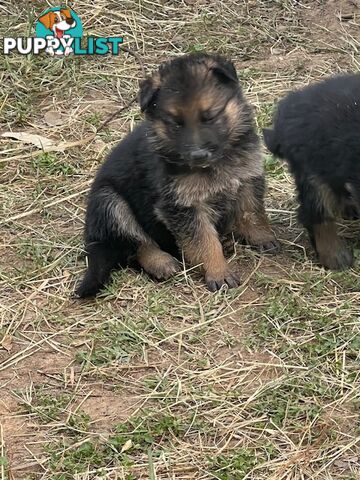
[(165, 267), (271, 246), (216, 281), (340, 259)]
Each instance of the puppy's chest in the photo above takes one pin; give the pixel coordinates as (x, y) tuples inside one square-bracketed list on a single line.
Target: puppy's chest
[(198, 189)]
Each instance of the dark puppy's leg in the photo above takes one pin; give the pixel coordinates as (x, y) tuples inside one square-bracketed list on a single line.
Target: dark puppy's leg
[(196, 235), (156, 262), (316, 213), (251, 222), (103, 257), (113, 235)]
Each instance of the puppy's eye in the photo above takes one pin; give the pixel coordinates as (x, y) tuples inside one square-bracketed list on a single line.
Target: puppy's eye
[(209, 117), (56, 20), (174, 121)]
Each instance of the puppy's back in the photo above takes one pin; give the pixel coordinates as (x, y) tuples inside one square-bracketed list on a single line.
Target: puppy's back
[(315, 122)]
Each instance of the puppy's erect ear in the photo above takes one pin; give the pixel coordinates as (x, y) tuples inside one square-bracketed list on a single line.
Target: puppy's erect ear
[(225, 71), (47, 20), (148, 91)]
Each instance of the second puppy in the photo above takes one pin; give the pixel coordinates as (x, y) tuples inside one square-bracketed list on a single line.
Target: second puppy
[(191, 172), (316, 130)]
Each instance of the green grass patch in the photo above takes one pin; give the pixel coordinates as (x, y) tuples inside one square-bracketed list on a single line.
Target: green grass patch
[(129, 441), (50, 164), (234, 466)]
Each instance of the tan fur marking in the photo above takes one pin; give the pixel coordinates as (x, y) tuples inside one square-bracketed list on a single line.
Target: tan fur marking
[(156, 262), (326, 239), (233, 111), (193, 189), (205, 97), (208, 99), (121, 216), (331, 249), (205, 247), (255, 228), (239, 119), (251, 221), (202, 100), (328, 199), (196, 188), (174, 109)]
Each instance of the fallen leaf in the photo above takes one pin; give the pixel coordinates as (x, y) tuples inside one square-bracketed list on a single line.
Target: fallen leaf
[(341, 463), (127, 445), (6, 343), (53, 118), (37, 140)]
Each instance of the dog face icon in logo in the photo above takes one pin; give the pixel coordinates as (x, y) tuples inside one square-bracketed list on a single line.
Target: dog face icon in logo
[(61, 24)]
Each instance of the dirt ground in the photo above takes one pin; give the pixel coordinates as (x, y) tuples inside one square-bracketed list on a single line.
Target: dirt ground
[(168, 381)]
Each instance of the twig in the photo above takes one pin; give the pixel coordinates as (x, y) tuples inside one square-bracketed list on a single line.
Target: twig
[(130, 102), (115, 114), (47, 205), (137, 57)]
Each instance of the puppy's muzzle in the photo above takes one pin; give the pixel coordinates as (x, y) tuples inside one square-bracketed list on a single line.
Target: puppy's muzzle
[(199, 157)]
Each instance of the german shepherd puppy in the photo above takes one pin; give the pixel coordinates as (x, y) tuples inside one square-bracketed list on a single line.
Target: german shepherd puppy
[(190, 172), (317, 130)]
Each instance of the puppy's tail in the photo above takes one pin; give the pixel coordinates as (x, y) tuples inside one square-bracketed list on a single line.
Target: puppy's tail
[(107, 248), (272, 142), (103, 257)]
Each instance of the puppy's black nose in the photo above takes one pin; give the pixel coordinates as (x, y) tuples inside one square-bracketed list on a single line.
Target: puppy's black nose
[(70, 21), (199, 155)]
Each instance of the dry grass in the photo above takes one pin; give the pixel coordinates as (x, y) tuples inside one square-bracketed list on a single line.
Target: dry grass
[(167, 381)]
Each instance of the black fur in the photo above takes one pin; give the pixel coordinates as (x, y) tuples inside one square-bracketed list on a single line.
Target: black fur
[(143, 172), (317, 130)]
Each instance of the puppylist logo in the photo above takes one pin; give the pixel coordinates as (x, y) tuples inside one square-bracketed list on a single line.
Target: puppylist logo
[(59, 32)]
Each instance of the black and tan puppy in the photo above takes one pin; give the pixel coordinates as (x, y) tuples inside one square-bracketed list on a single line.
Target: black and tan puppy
[(189, 173), (317, 130)]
